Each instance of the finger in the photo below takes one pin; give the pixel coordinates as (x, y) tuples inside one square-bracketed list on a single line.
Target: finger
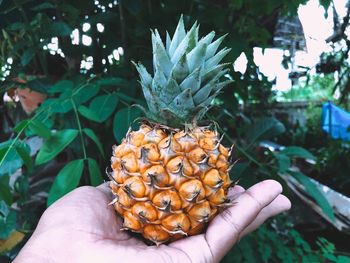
[(235, 191), (104, 187), (279, 205), (225, 229)]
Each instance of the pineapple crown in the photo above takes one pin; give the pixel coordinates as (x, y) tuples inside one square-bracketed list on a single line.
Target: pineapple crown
[(187, 75)]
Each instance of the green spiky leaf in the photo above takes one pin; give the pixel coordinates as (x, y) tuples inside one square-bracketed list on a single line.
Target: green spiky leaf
[(186, 77)]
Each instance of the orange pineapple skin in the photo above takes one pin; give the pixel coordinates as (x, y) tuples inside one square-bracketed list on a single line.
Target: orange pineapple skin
[(169, 184)]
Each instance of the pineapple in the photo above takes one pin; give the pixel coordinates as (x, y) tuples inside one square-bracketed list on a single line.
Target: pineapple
[(170, 177)]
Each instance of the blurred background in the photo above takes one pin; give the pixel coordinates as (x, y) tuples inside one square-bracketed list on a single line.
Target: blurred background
[(67, 85)]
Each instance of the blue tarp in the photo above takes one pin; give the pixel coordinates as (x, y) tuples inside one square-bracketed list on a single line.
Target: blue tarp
[(336, 121)]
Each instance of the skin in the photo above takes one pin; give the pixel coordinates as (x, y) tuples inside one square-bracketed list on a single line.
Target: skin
[(81, 227)]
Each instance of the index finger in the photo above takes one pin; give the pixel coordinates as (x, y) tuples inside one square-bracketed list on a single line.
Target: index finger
[(224, 230)]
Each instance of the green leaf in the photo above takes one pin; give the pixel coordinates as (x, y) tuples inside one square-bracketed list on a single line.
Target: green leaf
[(21, 126), (40, 129), (16, 26), (54, 145), (86, 93), (91, 134), (4, 209), (58, 29), (61, 86), (122, 121), (112, 82), (295, 151), (100, 107), (27, 56), (7, 225), (23, 150), (66, 180), (313, 191), (263, 128), (5, 190), (283, 162), (10, 160), (95, 173), (87, 113), (104, 105), (39, 84)]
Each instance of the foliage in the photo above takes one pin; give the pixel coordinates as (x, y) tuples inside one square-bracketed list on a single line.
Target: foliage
[(317, 87), (89, 109), (269, 244), (332, 162)]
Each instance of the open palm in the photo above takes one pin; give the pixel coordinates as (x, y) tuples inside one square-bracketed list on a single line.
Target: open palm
[(81, 227)]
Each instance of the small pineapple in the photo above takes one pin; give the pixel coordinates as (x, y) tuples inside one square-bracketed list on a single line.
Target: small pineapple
[(170, 178)]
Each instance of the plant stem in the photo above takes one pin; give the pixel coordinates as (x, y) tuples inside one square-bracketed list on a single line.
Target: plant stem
[(123, 29), (17, 137), (79, 127)]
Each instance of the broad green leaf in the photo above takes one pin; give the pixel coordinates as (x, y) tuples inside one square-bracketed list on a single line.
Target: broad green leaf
[(85, 93), (91, 134), (27, 56), (295, 151), (16, 26), (40, 129), (4, 209), (10, 161), (122, 121), (313, 191), (104, 105), (5, 191), (7, 225), (66, 180), (87, 113), (62, 104), (283, 162), (23, 150), (95, 173), (112, 82), (21, 126), (55, 144), (263, 128), (40, 85), (62, 86)]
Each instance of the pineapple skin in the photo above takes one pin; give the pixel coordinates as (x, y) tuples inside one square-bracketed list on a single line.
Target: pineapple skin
[(169, 183)]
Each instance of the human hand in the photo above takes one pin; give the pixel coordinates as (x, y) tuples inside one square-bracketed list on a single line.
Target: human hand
[(81, 227)]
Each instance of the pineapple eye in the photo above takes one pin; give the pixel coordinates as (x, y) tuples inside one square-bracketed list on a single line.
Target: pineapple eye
[(167, 199), (134, 187), (131, 222), (151, 152), (200, 212), (218, 198), (192, 190), (145, 211), (175, 164), (156, 176), (156, 234), (213, 179), (124, 199), (129, 163), (177, 223), (197, 155)]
